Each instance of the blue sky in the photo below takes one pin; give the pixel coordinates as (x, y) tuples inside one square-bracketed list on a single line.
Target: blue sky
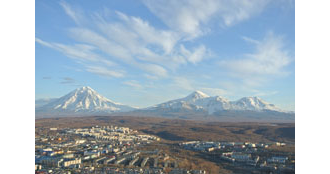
[(142, 53)]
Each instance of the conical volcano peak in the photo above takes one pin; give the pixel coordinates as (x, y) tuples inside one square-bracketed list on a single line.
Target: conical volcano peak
[(84, 88), (84, 100), (198, 94)]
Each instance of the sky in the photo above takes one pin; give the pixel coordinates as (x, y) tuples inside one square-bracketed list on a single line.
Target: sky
[(142, 53)]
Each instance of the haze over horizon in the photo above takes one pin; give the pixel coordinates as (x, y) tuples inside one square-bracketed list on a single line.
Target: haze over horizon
[(143, 53)]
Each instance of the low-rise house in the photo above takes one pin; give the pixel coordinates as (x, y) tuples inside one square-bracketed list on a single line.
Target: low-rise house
[(90, 153), (239, 146), (68, 162), (210, 149), (241, 157), (144, 162), (131, 163), (109, 160), (281, 160), (120, 160)]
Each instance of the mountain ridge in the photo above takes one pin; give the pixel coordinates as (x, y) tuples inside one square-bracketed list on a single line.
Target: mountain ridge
[(217, 103), (85, 101)]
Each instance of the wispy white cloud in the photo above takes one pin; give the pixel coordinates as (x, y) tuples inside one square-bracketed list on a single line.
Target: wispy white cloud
[(46, 77), (264, 93), (154, 69), (117, 51), (73, 68), (78, 52), (182, 83), (84, 55), (44, 43), (103, 71), (133, 83), (130, 41), (196, 55), (270, 58), (90, 37), (190, 17), (144, 32), (150, 77), (185, 17), (215, 91), (68, 80), (234, 11), (75, 14), (237, 90), (134, 41), (253, 41)]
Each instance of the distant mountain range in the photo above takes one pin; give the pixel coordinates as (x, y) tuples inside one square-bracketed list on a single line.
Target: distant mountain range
[(85, 101), (200, 101)]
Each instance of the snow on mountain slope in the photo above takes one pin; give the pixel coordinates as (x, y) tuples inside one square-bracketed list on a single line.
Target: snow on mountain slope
[(253, 103), (183, 103), (195, 96), (83, 100), (217, 103), (200, 101)]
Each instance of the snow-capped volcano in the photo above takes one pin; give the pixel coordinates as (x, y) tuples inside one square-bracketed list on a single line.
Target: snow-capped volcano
[(253, 103), (196, 95), (85, 101), (82, 101), (200, 101), (183, 103)]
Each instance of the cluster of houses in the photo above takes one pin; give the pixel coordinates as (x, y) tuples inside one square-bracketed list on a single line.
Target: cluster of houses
[(211, 146), (72, 148), (243, 153), (240, 157), (110, 148)]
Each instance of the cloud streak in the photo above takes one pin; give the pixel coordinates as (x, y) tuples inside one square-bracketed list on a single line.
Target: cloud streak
[(78, 52), (135, 42), (134, 84), (103, 71), (191, 17), (269, 59), (215, 91), (84, 55), (75, 14), (46, 77), (68, 80)]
